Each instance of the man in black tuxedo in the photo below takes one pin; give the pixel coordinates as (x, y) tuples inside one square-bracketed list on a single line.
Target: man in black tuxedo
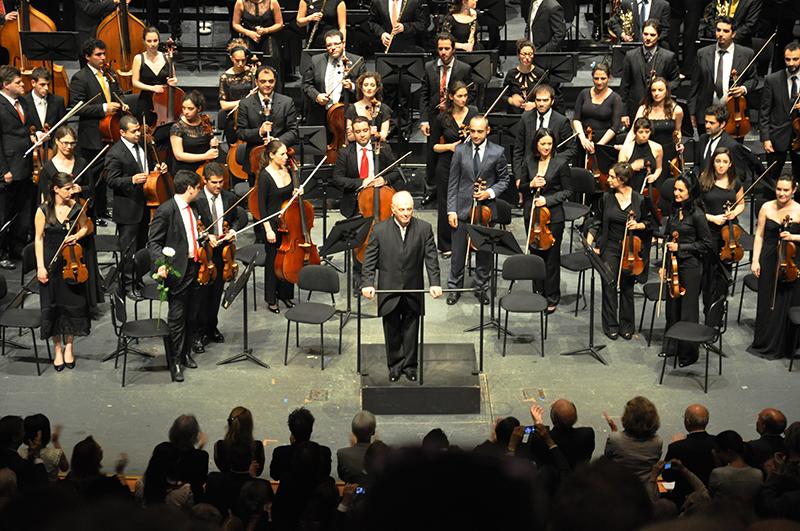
[(350, 460), (780, 92), (266, 115), (542, 116), (89, 14), (440, 75), (641, 65), (407, 19), (324, 82), (477, 159), (126, 175), (16, 187), (711, 78), (689, 13), (174, 226), (213, 202), (746, 15), (770, 425), (398, 248), (48, 108), (641, 10), (544, 24), (745, 161), (88, 82)]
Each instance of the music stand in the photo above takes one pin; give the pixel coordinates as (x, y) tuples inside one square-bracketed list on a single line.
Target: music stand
[(598, 265), (502, 125), (358, 33), (313, 141), (50, 46), (496, 241), (606, 156), (318, 187), (240, 285), (480, 64), (563, 66), (618, 52), (401, 69), (345, 236)]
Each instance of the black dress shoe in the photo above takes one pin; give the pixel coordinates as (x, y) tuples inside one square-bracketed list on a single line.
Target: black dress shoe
[(411, 374), (394, 375), (189, 362), (287, 302), (100, 222), (429, 198), (197, 346), (216, 336), (5, 263), (627, 335), (612, 335), (175, 372), (685, 362), (452, 298), (482, 297), (274, 309), (204, 339)]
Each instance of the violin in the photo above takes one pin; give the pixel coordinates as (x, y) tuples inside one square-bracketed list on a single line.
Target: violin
[(732, 250), (676, 165), (207, 271), (74, 270), (794, 116), (374, 202), (123, 35), (675, 288), (296, 250), (600, 178), (230, 269), (631, 260), (480, 214), (168, 105), (652, 193), (41, 154), (539, 234), (787, 269), (738, 124)]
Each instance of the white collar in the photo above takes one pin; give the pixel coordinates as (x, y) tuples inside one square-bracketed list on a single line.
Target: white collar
[(181, 202), (211, 197), (11, 100)]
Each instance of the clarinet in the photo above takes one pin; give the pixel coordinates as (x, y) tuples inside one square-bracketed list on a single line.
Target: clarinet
[(316, 25)]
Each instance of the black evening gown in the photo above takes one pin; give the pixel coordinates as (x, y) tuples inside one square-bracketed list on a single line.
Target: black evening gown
[(662, 134), (774, 335), (195, 140), (148, 77), (271, 198)]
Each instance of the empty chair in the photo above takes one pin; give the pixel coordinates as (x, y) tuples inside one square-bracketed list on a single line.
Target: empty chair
[(524, 267)]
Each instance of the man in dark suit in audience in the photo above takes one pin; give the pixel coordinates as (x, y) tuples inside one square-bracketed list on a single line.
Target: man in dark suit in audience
[(266, 115), (641, 10), (48, 108), (746, 14), (770, 424), (577, 444), (544, 24), (30, 473), (695, 451), (497, 444), (350, 460)]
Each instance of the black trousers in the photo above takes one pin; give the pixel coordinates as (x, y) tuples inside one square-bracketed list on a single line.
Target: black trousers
[(688, 12), (174, 15), (183, 311), (618, 312), (713, 282), (483, 260), (132, 237), (551, 287), (98, 186), (211, 297), (685, 308), (274, 288), (401, 332), (16, 199)]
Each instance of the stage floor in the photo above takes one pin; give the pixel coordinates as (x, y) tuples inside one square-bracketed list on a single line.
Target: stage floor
[(89, 399)]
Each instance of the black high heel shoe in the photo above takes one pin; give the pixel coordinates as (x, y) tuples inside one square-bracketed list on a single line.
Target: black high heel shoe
[(59, 368), (288, 302), (274, 309), (70, 365)]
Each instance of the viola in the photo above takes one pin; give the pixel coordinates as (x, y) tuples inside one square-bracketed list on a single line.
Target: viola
[(787, 268), (738, 124), (74, 270), (652, 193), (168, 105), (208, 130), (675, 288), (207, 270), (539, 234), (631, 258), (296, 250), (600, 178), (479, 214), (230, 269), (732, 250), (374, 202), (123, 35)]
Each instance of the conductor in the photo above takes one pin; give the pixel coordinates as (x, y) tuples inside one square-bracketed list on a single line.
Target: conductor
[(398, 248)]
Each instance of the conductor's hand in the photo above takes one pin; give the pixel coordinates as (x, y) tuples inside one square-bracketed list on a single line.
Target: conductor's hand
[(436, 291), (369, 292), (452, 220)]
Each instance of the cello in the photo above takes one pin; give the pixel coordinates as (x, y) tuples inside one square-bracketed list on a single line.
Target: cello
[(334, 117), (158, 188), (296, 250), (168, 105), (123, 35), (374, 202)]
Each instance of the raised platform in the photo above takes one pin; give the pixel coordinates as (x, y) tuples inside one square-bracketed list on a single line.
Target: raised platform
[(451, 383)]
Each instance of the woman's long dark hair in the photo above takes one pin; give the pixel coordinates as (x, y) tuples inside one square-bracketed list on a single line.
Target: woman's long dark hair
[(688, 204), (709, 174), (162, 468), (59, 179)]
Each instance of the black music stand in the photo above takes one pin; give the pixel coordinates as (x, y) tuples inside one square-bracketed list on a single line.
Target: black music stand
[(50, 45), (480, 64), (345, 236), (358, 34), (313, 141), (503, 125), (240, 286), (318, 187), (618, 52), (496, 241), (401, 69), (597, 264), (606, 156), (562, 66)]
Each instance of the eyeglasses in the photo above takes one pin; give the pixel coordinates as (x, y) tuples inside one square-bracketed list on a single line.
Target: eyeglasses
[(71, 144), (526, 54)]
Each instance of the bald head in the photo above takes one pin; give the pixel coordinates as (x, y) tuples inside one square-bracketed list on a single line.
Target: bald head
[(563, 413), (771, 421), (402, 207), (403, 199), (695, 418)]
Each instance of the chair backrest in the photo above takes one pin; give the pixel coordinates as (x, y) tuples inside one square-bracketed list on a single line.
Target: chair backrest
[(319, 278), (716, 313), (119, 314), (241, 217), (502, 212), (28, 260), (142, 262), (241, 189), (523, 267), (581, 181), (667, 190)]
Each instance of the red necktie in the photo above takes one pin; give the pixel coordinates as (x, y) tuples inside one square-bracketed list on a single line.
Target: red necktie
[(363, 170), (194, 232), (18, 107), (443, 84)]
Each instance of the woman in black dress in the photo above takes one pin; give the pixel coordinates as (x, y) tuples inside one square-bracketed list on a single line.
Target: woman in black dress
[(613, 216), (774, 335), (450, 128), (239, 434), (369, 103), (256, 21), (522, 78), (693, 243), (644, 155), (324, 15), (192, 137), (719, 188), (65, 306), (666, 118), (274, 187), (150, 72), (462, 24), (234, 84), (598, 107), (542, 185)]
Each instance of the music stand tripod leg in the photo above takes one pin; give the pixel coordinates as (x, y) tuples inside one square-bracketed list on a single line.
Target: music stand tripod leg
[(247, 352)]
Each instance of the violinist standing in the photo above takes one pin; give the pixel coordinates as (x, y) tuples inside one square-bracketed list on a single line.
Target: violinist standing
[(192, 136), (126, 174), (598, 107), (49, 108), (774, 336), (719, 186), (542, 185), (65, 307), (213, 202), (175, 226), (608, 229), (369, 104), (716, 117), (151, 73), (694, 242), (16, 186), (477, 159)]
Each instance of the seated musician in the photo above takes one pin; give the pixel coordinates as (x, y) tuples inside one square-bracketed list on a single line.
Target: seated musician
[(127, 175), (639, 12), (48, 108), (213, 202), (192, 136), (369, 103), (329, 79), (356, 167), (474, 161), (544, 24)]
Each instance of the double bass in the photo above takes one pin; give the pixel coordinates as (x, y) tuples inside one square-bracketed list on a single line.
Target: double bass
[(168, 105), (123, 35), (374, 202), (296, 250)]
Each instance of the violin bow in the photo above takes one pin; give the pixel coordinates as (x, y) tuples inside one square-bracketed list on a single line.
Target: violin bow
[(533, 90), (753, 60), (91, 163), (346, 73), (750, 188), (573, 135), (385, 170), (663, 275), (622, 255), (46, 136), (494, 103), (236, 106), (204, 232)]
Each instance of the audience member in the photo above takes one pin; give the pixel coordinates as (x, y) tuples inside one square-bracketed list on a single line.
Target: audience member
[(240, 433), (222, 488), (30, 472), (54, 459), (735, 479), (435, 440), (160, 483), (770, 425), (638, 446), (577, 444), (694, 451), (497, 444), (350, 460), (780, 495), (8, 486), (86, 477), (186, 436)]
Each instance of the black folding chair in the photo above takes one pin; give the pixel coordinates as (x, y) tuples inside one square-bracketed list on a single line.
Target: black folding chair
[(15, 316), (524, 267)]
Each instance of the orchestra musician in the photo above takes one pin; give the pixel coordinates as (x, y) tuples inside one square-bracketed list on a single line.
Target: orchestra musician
[(608, 230), (640, 11), (746, 14), (522, 78), (711, 76), (774, 336), (640, 68), (256, 21), (89, 14), (542, 184), (450, 129), (401, 22), (88, 82), (174, 225), (461, 23), (274, 188), (234, 84), (644, 155), (16, 187), (322, 16), (666, 119), (325, 81), (544, 24), (715, 137), (214, 201), (398, 248), (150, 72), (477, 159), (64, 305), (48, 108), (266, 115), (369, 104), (694, 242), (63, 160), (440, 75), (719, 187), (598, 107), (192, 137)]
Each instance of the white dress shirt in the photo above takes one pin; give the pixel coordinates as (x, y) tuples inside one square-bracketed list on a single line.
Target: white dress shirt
[(534, 9), (481, 155), (334, 73), (189, 222), (41, 107), (727, 65), (217, 203)]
